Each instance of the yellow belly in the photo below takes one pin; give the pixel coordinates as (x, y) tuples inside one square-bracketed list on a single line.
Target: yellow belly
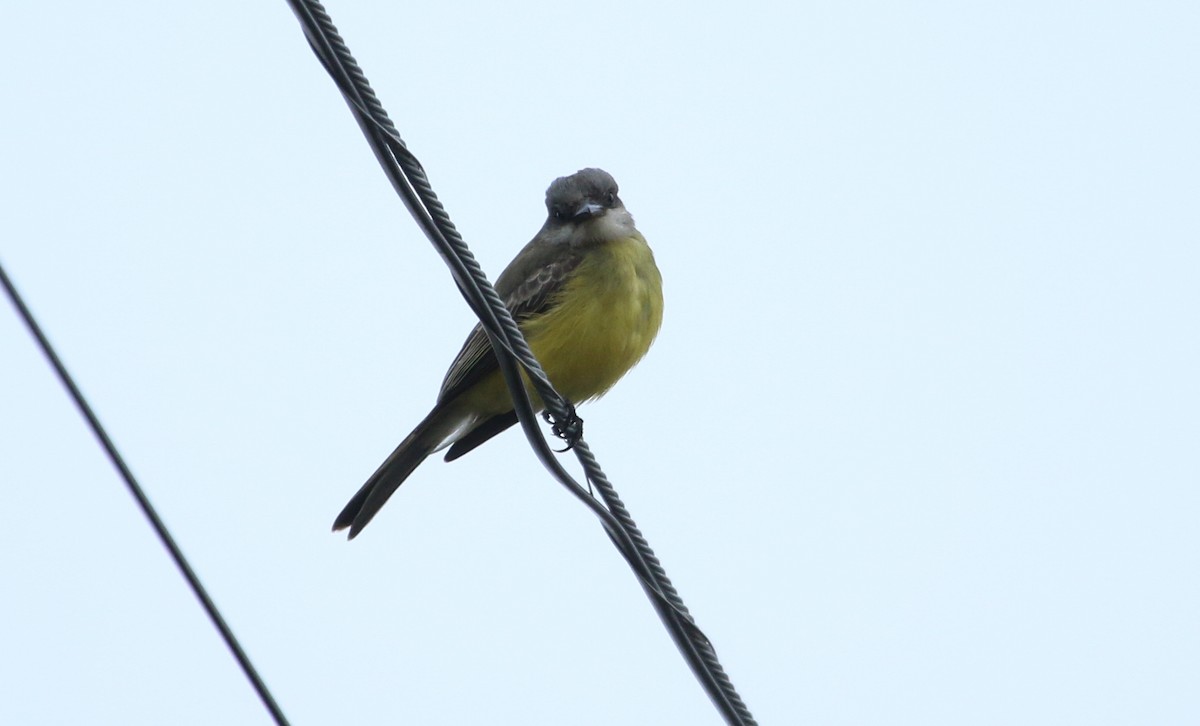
[(604, 321)]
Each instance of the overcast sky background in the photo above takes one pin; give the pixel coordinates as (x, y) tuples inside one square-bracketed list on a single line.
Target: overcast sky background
[(917, 442)]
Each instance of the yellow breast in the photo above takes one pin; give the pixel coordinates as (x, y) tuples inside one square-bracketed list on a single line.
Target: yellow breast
[(606, 317), (601, 324)]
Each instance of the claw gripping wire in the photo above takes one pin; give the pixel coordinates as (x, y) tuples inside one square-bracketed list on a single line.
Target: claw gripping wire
[(569, 429)]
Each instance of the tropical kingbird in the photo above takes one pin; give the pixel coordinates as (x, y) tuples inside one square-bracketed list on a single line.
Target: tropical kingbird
[(588, 297)]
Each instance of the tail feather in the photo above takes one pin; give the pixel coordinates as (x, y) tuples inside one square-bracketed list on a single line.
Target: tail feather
[(480, 434), (426, 438)]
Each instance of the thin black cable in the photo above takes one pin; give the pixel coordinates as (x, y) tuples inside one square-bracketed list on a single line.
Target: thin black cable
[(409, 179), (164, 535)]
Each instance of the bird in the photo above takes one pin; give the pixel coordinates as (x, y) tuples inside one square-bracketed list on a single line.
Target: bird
[(586, 293)]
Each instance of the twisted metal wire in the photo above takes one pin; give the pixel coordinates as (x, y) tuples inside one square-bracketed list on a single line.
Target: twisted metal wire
[(513, 353)]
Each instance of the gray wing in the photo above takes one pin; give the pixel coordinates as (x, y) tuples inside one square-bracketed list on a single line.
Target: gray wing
[(528, 287)]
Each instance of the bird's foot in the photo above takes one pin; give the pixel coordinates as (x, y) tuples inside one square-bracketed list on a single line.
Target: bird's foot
[(569, 429)]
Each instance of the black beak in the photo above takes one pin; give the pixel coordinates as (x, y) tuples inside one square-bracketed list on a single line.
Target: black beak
[(588, 209)]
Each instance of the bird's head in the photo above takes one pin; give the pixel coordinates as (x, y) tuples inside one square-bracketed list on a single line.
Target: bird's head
[(584, 208)]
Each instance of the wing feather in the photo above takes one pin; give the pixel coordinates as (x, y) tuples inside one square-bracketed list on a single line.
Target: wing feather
[(525, 296)]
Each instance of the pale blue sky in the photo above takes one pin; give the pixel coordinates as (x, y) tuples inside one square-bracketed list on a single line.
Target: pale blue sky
[(933, 265)]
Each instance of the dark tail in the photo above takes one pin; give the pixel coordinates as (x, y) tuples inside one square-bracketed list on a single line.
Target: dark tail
[(418, 445), (481, 433)]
